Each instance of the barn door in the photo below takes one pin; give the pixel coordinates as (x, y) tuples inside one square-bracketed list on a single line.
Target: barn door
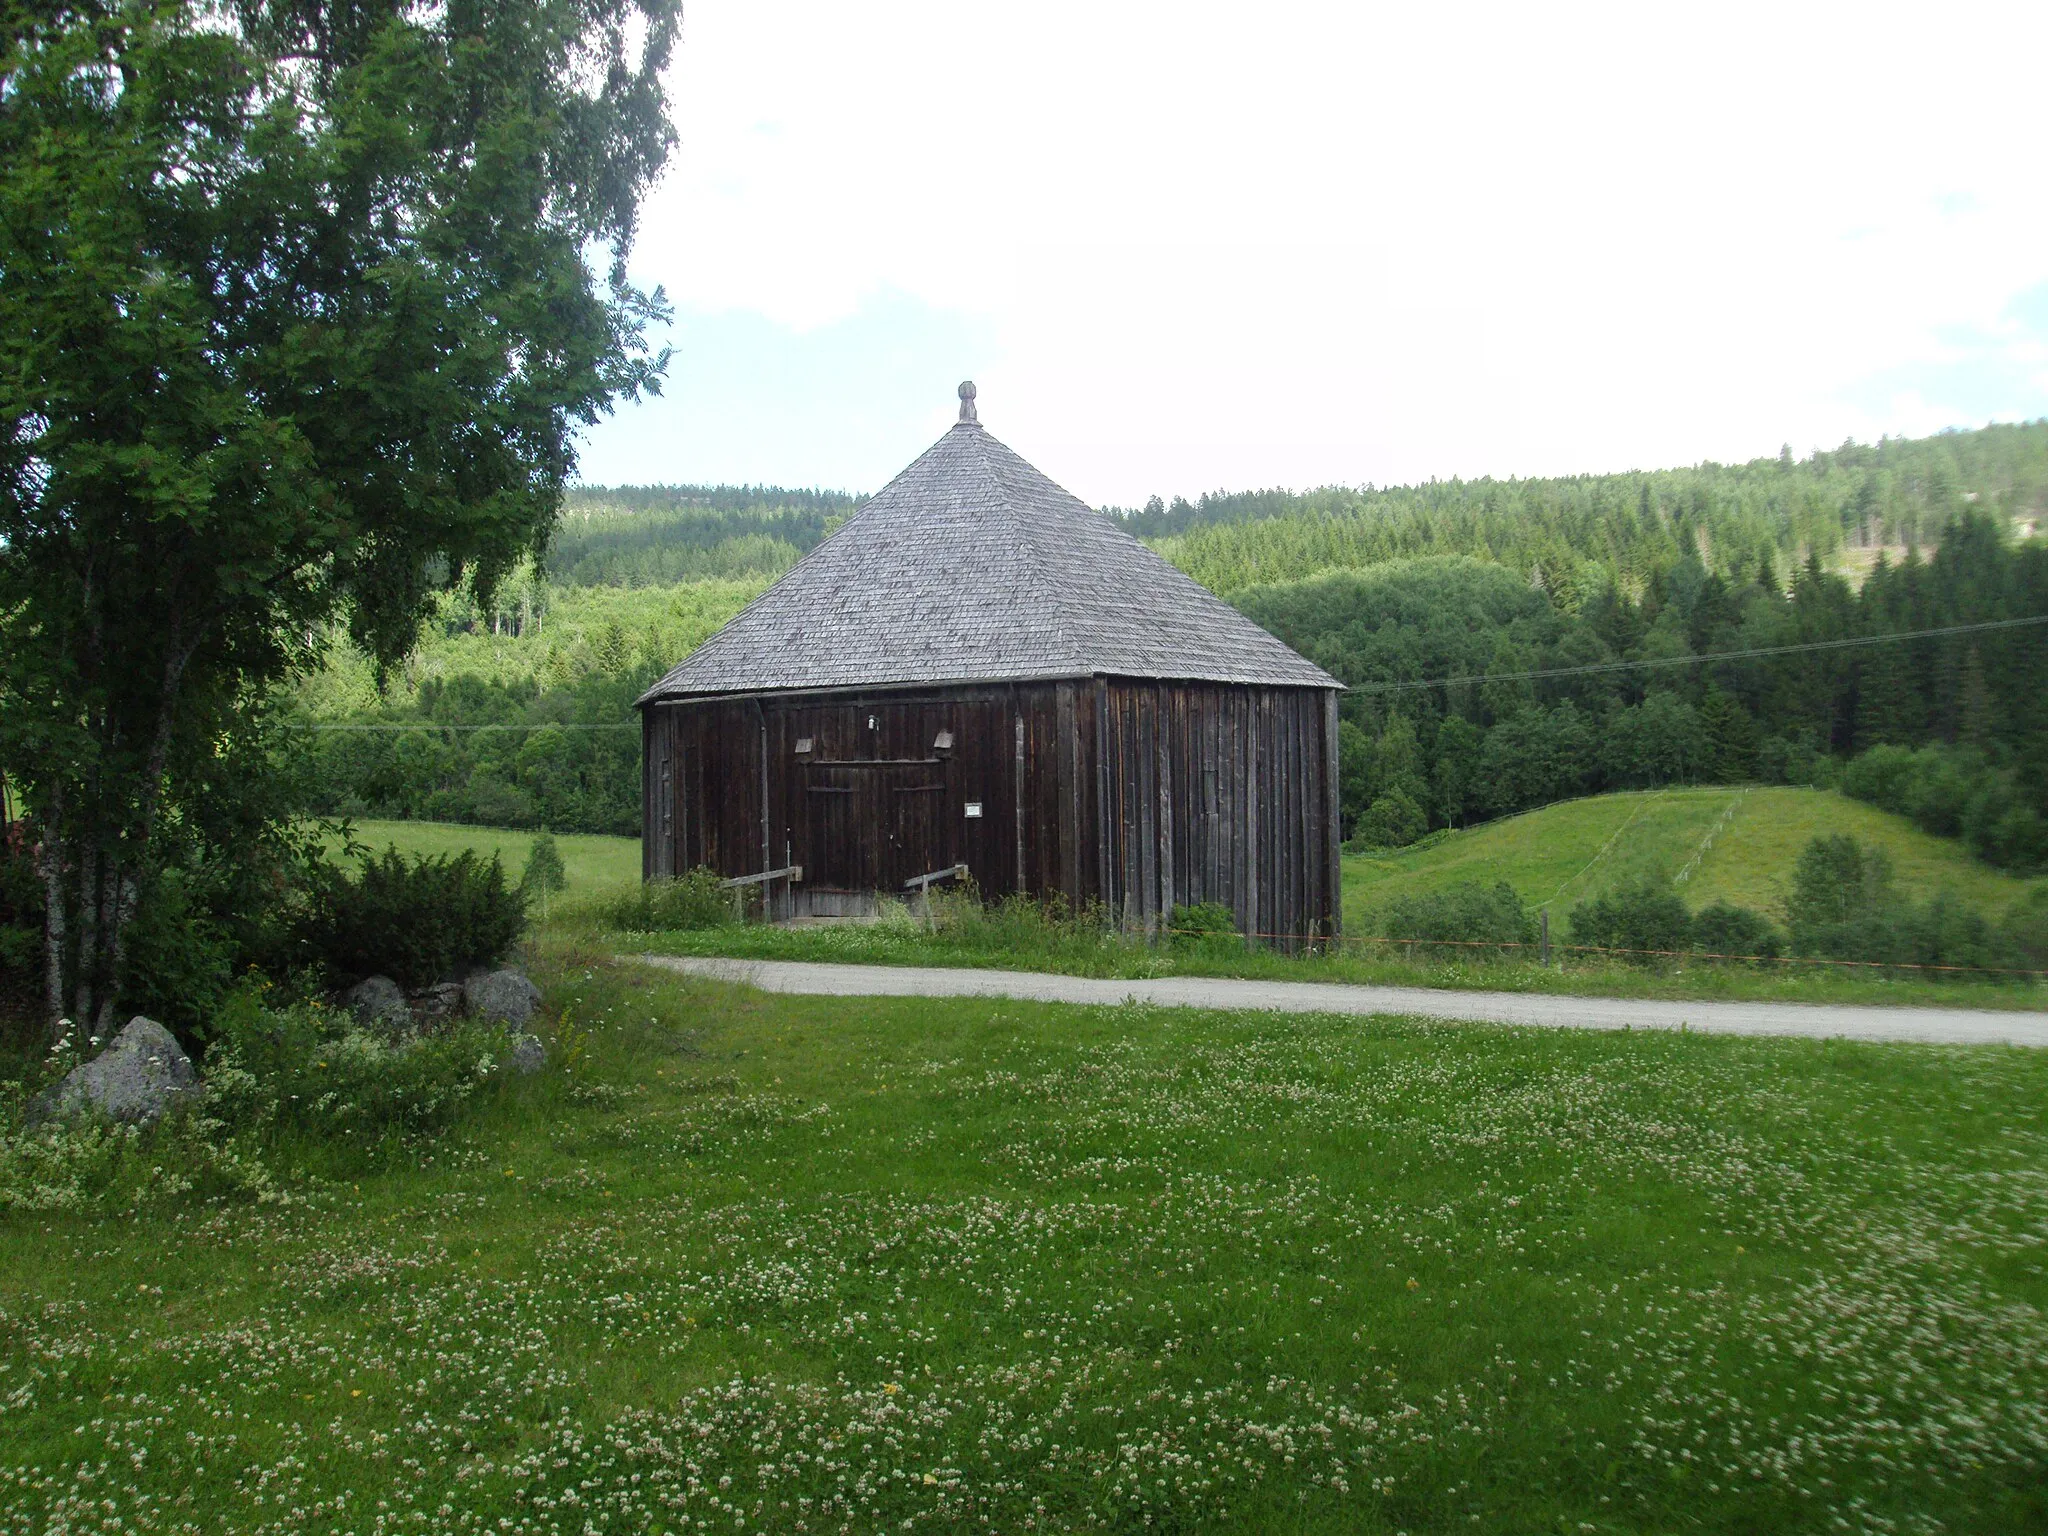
[(914, 814), (873, 826), (841, 852)]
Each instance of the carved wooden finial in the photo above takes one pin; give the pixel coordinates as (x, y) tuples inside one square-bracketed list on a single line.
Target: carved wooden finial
[(967, 402)]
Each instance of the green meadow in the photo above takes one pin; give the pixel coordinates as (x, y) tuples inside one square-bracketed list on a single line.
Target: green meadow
[(1734, 843), (590, 862), (741, 1263)]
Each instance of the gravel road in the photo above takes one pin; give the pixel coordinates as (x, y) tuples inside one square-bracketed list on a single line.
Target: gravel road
[(1948, 1026)]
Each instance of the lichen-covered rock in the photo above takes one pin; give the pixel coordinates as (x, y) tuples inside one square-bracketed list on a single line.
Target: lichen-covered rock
[(134, 1080), (378, 1003), (504, 997), (528, 1055), (439, 1003)]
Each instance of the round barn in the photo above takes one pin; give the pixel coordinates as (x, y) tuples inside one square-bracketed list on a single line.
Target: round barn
[(979, 675)]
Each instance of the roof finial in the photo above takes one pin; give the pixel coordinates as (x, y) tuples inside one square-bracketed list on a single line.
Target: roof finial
[(967, 402)]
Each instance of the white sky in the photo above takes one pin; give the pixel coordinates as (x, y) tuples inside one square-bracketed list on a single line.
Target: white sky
[(1186, 246)]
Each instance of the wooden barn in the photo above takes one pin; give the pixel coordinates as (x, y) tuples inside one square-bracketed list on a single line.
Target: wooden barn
[(979, 673)]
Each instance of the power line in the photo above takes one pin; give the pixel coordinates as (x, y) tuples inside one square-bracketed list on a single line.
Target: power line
[(1590, 669), (435, 725), (1593, 668)]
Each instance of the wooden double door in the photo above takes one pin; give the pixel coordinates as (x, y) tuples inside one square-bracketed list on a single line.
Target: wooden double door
[(872, 824)]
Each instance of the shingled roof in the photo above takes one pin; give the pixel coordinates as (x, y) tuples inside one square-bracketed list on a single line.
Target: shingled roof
[(973, 567)]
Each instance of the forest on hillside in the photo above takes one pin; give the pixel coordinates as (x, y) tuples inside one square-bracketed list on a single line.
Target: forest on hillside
[(510, 713)]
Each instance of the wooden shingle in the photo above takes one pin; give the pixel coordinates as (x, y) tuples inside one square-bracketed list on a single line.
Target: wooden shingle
[(972, 567)]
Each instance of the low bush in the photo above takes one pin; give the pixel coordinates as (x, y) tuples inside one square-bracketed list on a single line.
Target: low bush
[(1394, 820), (417, 921), (1643, 918), (310, 1069), (1474, 921), (1844, 905), (94, 1166), (693, 900), (91, 1166), (1723, 931), (544, 875), (1202, 923)]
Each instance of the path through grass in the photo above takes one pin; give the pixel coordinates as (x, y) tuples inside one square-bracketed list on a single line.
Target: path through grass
[(790, 1264)]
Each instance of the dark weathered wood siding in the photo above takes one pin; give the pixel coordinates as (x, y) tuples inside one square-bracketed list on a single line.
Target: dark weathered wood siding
[(1135, 796)]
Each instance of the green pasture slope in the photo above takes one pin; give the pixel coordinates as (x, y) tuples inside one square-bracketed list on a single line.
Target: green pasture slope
[(1741, 843), (763, 1264), (591, 863)]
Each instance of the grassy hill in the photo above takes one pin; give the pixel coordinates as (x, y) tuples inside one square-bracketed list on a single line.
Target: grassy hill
[(1740, 844)]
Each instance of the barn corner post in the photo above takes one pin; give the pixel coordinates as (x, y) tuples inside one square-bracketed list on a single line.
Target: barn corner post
[(1333, 839)]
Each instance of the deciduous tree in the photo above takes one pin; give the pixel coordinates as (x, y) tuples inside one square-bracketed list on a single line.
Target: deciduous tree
[(301, 306)]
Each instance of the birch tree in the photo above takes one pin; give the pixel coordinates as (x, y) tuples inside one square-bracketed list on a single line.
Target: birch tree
[(301, 307)]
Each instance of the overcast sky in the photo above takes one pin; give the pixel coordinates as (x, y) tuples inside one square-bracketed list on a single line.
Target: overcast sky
[(1182, 246)]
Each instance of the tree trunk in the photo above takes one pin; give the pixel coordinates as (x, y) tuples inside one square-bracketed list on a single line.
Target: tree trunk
[(91, 905), (122, 889), (121, 893), (53, 916)]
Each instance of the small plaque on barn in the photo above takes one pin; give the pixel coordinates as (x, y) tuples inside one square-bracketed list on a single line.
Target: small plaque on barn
[(974, 808)]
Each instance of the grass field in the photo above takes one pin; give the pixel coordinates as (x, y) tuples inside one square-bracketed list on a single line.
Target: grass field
[(1561, 854), (782, 1264), (1528, 851), (591, 863)]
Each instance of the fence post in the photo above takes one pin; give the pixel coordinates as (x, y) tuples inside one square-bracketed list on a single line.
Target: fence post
[(1543, 915)]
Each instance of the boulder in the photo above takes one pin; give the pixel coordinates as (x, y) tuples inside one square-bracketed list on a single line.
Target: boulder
[(440, 1002), (378, 1003), (504, 997), (528, 1055), (134, 1080)]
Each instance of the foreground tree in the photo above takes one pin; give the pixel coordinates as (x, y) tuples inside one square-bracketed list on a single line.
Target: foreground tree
[(298, 320)]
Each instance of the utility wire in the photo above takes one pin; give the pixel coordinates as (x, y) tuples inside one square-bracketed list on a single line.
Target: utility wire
[(1593, 668), (435, 725), (1590, 669)]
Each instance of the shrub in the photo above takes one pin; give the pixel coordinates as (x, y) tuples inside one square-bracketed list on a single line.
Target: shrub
[(1844, 906), (96, 1166), (417, 922), (1723, 929), (1642, 916), (90, 1165), (544, 875), (1394, 820), (1467, 918), (2026, 929), (1202, 924), (693, 900), (1883, 776), (310, 1068), (1955, 792), (181, 958), (1836, 880)]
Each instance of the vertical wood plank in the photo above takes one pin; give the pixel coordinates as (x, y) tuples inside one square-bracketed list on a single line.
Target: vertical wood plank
[(1018, 781), (1067, 747), (1162, 771), (1333, 837)]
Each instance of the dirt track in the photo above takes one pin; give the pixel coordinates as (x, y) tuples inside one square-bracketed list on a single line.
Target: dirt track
[(1948, 1026)]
